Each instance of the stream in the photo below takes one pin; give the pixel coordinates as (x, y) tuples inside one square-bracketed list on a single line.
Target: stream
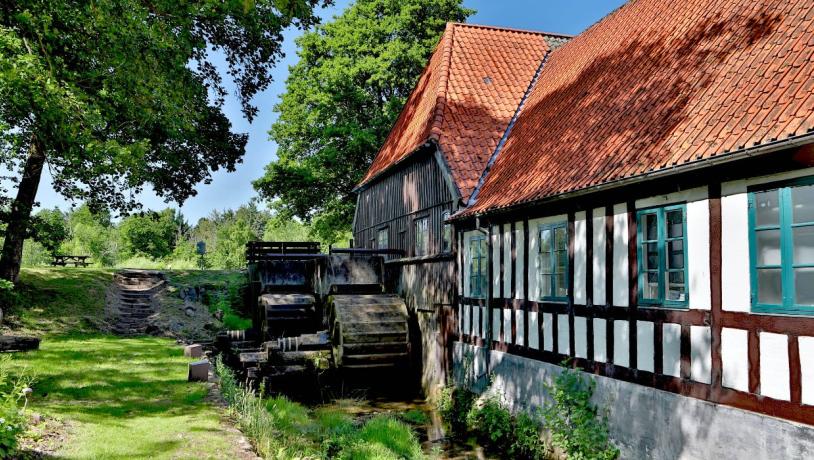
[(432, 435)]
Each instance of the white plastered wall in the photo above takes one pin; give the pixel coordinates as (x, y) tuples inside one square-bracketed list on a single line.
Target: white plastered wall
[(621, 272), (520, 249), (580, 257), (495, 254), (507, 261), (598, 236)]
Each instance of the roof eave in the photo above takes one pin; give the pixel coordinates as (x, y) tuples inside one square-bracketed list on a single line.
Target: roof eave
[(723, 158)]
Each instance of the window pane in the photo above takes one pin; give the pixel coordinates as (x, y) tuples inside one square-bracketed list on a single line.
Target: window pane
[(651, 262), (803, 245), (802, 199), (545, 262), (650, 290), (768, 247), (560, 239), (545, 285), (676, 287), (767, 208), (675, 223), (447, 238), (545, 239), (675, 254), (562, 262), (651, 227), (804, 286), (769, 287), (562, 285)]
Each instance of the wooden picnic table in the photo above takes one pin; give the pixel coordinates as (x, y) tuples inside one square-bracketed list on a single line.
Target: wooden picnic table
[(64, 260)]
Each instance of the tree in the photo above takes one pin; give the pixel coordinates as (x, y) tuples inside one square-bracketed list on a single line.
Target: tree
[(341, 99), (94, 235), (113, 95), (230, 251), (150, 234), (49, 228)]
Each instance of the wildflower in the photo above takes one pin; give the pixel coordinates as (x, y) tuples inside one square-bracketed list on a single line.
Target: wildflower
[(8, 428), (27, 391), (2, 420)]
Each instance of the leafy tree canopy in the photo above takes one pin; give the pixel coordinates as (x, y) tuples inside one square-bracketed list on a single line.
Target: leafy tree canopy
[(152, 234), (112, 95), (342, 98)]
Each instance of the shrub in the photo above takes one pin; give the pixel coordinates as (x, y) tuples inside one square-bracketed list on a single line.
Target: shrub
[(13, 393), (576, 426), (526, 440), (491, 422), (454, 405)]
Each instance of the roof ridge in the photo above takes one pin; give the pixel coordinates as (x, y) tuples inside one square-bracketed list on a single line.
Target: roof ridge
[(511, 29), (443, 82)]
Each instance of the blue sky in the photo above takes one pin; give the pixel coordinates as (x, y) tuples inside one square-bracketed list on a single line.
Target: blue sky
[(230, 190)]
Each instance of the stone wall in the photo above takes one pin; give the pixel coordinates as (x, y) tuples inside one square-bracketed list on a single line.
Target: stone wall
[(645, 423)]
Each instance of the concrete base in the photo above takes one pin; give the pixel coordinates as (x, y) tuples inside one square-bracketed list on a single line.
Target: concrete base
[(645, 423), (193, 351), (198, 371)]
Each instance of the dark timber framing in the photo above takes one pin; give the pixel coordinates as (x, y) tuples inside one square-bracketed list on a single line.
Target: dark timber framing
[(716, 318)]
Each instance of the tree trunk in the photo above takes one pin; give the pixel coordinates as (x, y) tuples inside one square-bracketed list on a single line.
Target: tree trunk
[(20, 214)]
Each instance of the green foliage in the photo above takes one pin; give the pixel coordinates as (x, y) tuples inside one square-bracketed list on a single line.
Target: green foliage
[(283, 429), (415, 417), (13, 397), (92, 234), (491, 422), (49, 228), (342, 97), (119, 100), (574, 422), (526, 440), (454, 404), (150, 234), (230, 252)]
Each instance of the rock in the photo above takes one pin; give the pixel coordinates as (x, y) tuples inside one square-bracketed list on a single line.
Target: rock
[(189, 311), (193, 351), (198, 371), (36, 419)]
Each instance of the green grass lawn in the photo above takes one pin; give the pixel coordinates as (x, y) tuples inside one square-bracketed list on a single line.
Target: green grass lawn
[(111, 397), (125, 398)]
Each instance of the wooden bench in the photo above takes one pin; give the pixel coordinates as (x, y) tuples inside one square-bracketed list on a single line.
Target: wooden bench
[(64, 260)]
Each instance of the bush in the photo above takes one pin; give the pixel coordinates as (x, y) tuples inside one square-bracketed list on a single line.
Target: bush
[(13, 393), (526, 440), (491, 423), (454, 405), (576, 426)]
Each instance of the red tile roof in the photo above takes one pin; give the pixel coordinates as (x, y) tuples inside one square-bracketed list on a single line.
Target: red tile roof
[(465, 98), (654, 85)]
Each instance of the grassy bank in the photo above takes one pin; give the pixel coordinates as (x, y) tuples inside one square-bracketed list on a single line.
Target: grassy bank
[(56, 301)]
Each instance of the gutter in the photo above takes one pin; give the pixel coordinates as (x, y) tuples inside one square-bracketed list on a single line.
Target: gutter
[(740, 154)]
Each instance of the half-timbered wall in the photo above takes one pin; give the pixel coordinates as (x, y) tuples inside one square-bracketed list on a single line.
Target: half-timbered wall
[(713, 348)]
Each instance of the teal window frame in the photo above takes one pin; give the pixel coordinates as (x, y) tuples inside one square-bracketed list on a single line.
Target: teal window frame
[(663, 272), (478, 267), (551, 270), (786, 227)]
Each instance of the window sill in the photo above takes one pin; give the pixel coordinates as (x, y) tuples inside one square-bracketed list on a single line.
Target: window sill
[(661, 306), (419, 259), (783, 311)]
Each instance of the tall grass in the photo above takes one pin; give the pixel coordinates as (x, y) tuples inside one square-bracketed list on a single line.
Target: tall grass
[(282, 429)]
